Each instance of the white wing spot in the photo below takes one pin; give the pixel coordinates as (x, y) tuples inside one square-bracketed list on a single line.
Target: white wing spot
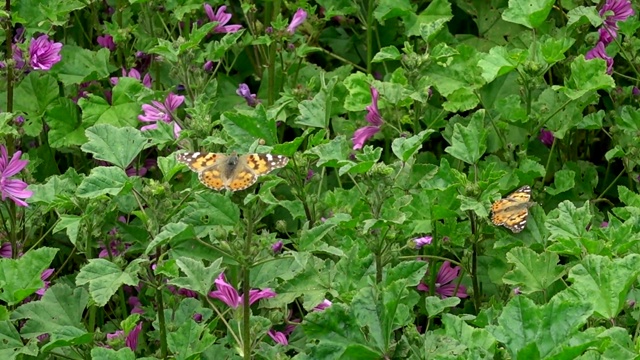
[(195, 155), (269, 157)]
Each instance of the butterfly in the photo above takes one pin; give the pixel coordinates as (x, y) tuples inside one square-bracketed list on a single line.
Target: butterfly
[(232, 172), (512, 211)]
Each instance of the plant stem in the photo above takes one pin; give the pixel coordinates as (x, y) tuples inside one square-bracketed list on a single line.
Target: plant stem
[(246, 288), (161, 319)]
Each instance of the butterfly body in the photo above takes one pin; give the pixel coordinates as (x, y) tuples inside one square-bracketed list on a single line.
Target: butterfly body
[(512, 211), (232, 172)]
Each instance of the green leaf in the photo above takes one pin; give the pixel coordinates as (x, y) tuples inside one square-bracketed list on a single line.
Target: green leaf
[(198, 277), (405, 148), (188, 337), (80, 65), (428, 21), (123, 110), (210, 208), (246, 126), (55, 189), (105, 278), (387, 53), (175, 232), (629, 119), (338, 334), (71, 223), (65, 125), (586, 76), (499, 61), (563, 180), (582, 15), (59, 314), (103, 180), (530, 13), (628, 197), (20, 277), (332, 152), (359, 88), (317, 111), (533, 272), (34, 93), (435, 305), (471, 337), (388, 9), (567, 224), (604, 282), (118, 146), (101, 353), (524, 326), (469, 143)]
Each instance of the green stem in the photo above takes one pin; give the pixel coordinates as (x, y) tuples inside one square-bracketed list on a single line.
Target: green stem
[(546, 168), (161, 319), (369, 35), (246, 288)]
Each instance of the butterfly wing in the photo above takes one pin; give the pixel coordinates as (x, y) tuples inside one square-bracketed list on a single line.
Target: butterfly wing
[(207, 165), (252, 166), (513, 210)]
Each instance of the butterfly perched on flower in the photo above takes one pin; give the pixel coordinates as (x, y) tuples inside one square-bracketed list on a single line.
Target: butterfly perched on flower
[(232, 172), (512, 211)]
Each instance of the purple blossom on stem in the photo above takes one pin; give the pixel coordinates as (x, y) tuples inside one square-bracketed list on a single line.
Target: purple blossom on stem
[(278, 337), (133, 73), (44, 53), (422, 241), (600, 52), (6, 251), (546, 137), (19, 120), (373, 117), (222, 18), (445, 284), (323, 305), (158, 111), (229, 295), (106, 41), (277, 247), (44, 277), (517, 291), (208, 66), (14, 189), (132, 337), (612, 12), (245, 92), (298, 18)]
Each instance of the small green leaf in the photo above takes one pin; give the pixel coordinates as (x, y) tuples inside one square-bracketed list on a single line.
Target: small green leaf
[(629, 119), (123, 110), (332, 152), (387, 53), (317, 111), (65, 125), (101, 353), (71, 223), (175, 232), (358, 85), (118, 146), (469, 143), (533, 272), (563, 180), (567, 222), (435, 305), (530, 13), (210, 209), (104, 279), (103, 180), (405, 148), (198, 277), (34, 93), (604, 282), (20, 277), (246, 126), (82, 65), (586, 76)]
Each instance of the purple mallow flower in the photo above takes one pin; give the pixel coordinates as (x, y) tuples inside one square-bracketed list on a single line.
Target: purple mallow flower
[(208, 66), (44, 53), (422, 241), (229, 295), (133, 73), (612, 12), (445, 285), (44, 277), (546, 137), (158, 111), (106, 41), (278, 336), (245, 92), (222, 18), (298, 18), (600, 52), (131, 340), (323, 305), (277, 247), (373, 117), (14, 189), (5, 250)]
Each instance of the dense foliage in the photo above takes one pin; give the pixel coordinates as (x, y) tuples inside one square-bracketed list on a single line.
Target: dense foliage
[(388, 179)]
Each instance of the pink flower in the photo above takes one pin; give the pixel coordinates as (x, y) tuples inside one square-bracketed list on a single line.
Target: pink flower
[(245, 92), (132, 337), (136, 305), (277, 247), (278, 337), (600, 52), (373, 117), (546, 137), (222, 19), (106, 41), (612, 12), (445, 285), (133, 73), (6, 251), (422, 241), (323, 305), (44, 53), (298, 18), (14, 189), (161, 112), (229, 295), (44, 276)]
